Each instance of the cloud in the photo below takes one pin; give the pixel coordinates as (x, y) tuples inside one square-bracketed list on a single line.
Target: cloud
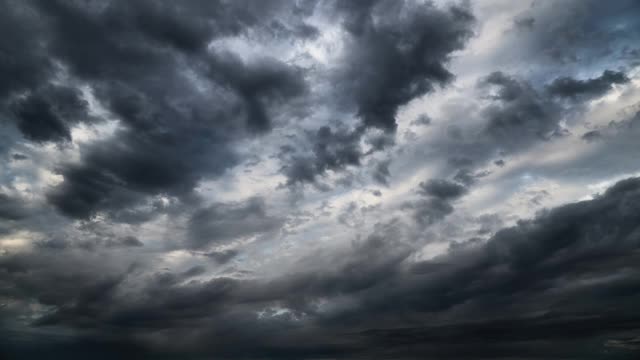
[(332, 150), (442, 189), (554, 272), (393, 59), (564, 32), (422, 120), (11, 208), (592, 135), (518, 114), (19, 157), (28, 65), (437, 200), (514, 274), (46, 114), (224, 222), (199, 179), (567, 87), (381, 172), (524, 23), (429, 211), (387, 64), (266, 81), (127, 241), (118, 50), (222, 257)]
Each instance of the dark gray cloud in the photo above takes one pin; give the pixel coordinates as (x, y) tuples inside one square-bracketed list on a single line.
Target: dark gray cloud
[(24, 63), (514, 116), (467, 177), (169, 126), (436, 202), (380, 141), (267, 81), (536, 264), (570, 32), (128, 231), (612, 144), (422, 120), (429, 211), (524, 23), (535, 288), (442, 189), (222, 257), (19, 157), (47, 114), (568, 87), (93, 242), (11, 208), (381, 172), (127, 241), (518, 114), (223, 222), (393, 59), (332, 150), (592, 135), (389, 61)]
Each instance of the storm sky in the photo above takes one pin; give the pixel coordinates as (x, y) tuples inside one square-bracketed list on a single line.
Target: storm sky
[(331, 179)]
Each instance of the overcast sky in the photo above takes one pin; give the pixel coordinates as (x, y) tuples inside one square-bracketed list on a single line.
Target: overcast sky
[(297, 179)]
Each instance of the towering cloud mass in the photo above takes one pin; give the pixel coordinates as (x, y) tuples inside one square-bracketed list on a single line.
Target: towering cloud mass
[(319, 179), (397, 52)]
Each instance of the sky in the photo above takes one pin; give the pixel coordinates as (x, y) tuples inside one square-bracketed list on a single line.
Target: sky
[(331, 179)]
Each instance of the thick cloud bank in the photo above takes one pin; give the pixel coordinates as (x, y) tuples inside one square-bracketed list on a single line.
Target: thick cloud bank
[(325, 179)]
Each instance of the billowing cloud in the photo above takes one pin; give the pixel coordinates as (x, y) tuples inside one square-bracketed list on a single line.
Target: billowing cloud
[(546, 272), (398, 51), (571, 88), (44, 116), (319, 179)]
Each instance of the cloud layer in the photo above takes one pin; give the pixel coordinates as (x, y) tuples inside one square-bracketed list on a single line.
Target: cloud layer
[(319, 179)]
